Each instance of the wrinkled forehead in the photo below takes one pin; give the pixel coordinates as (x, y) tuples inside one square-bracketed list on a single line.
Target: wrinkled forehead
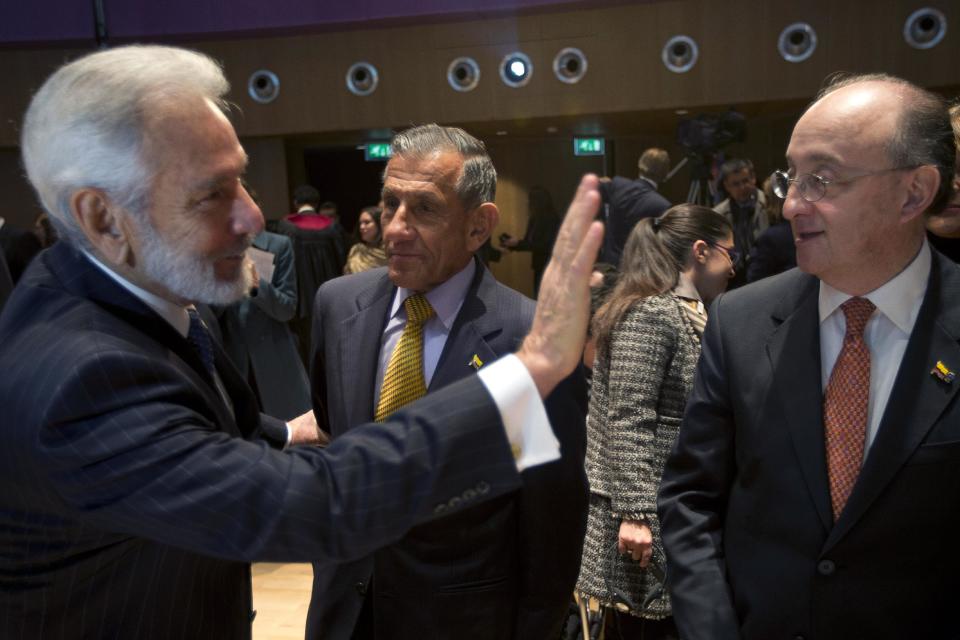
[(435, 170)]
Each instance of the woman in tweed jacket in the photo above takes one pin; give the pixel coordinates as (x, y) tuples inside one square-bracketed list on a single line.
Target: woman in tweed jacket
[(648, 341)]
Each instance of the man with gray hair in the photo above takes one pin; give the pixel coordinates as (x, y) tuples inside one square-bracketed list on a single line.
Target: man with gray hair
[(504, 569), (812, 491), (138, 478)]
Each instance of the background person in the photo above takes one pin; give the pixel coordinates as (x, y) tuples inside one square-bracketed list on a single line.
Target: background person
[(648, 341), (367, 252), (543, 221)]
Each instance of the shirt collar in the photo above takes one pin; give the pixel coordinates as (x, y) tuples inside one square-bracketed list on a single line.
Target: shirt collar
[(685, 288), (306, 209), (899, 298), (173, 313), (446, 298), (653, 183)]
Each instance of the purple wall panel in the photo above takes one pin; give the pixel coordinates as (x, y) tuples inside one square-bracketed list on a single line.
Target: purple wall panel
[(46, 20), (62, 20)]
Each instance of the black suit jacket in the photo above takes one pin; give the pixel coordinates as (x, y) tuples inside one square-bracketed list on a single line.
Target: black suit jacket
[(627, 203), (745, 503), (131, 500), (504, 569)]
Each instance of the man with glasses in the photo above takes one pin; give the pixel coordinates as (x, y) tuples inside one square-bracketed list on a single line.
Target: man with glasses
[(812, 491), (745, 207)]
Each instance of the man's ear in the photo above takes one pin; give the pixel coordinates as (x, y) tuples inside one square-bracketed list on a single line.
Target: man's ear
[(102, 224), (483, 220), (921, 190)]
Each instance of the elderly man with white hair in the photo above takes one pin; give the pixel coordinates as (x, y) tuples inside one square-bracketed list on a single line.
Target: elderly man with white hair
[(138, 476)]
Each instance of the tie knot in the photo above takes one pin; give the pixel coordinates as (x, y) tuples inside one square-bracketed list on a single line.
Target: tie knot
[(418, 309), (857, 312)]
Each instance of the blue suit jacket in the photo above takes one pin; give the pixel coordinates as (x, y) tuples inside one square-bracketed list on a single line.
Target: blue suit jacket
[(752, 547), (504, 569), (131, 500)]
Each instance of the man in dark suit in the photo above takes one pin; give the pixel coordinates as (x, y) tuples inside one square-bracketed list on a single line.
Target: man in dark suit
[(507, 568), (137, 478), (627, 201), (258, 340), (812, 490)]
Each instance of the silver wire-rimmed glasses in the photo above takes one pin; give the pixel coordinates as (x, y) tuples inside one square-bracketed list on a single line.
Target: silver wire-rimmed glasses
[(813, 187)]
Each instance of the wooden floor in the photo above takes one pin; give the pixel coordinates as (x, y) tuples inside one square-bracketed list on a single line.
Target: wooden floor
[(281, 595)]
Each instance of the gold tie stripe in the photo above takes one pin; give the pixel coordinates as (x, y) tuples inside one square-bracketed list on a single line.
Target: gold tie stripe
[(404, 381)]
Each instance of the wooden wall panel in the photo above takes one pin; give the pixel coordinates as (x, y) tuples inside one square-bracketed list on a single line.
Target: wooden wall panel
[(738, 63)]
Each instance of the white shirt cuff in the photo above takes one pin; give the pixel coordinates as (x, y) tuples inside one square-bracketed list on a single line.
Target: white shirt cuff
[(521, 411)]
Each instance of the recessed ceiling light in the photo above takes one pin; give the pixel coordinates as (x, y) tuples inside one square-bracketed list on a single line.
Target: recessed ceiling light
[(501, 133)]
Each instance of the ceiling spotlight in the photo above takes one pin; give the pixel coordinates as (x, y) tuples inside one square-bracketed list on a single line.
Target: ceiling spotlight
[(925, 28), (797, 42), (463, 74), (516, 69), (570, 65), (680, 54), (263, 86), (362, 79)]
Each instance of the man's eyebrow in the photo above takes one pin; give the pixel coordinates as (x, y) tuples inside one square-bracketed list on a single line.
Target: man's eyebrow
[(819, 158), (223, 177)]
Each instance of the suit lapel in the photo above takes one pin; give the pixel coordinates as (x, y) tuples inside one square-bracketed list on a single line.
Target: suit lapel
[(917, 398), (474, 325), (796, 381), (358, 355), (84, 279)]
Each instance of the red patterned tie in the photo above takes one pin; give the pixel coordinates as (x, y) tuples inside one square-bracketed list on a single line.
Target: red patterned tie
[(845, 405)]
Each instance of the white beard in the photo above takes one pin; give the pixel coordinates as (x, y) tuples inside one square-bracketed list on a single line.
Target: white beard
[(188, 276)]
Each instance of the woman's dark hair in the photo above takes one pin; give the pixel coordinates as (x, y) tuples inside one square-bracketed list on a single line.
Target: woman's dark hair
[(655, 253), (373, 212)]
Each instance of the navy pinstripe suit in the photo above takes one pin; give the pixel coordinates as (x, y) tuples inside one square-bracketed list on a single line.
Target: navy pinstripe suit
[(131, 501)]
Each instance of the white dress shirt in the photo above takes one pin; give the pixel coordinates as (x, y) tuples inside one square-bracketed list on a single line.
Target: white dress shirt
[(508, 381), (897, 305)]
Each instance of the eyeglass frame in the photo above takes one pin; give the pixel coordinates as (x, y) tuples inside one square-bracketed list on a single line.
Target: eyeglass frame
[(824, 182), (733, 255)]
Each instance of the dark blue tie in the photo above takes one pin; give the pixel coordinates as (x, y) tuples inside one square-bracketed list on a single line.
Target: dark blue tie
[(199, 337)]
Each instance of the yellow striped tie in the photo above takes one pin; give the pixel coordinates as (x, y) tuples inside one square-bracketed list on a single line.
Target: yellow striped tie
[(404, 382)]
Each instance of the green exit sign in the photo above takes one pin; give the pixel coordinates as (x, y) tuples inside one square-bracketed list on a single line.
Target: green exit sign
[(374, 151), (588, 146)]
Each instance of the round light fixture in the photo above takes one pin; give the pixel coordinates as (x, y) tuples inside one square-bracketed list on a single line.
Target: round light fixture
[(516, 69), (925, 28), (263, 86), (570, 65), (463, 74), (680, 54), (362, 79), (797, 42)]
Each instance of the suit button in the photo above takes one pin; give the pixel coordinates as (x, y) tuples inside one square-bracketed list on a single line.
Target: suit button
[(361, 588), (483, 488), (799, 637), (469, 494), (454, 502), (440, 508), (826, 567)]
